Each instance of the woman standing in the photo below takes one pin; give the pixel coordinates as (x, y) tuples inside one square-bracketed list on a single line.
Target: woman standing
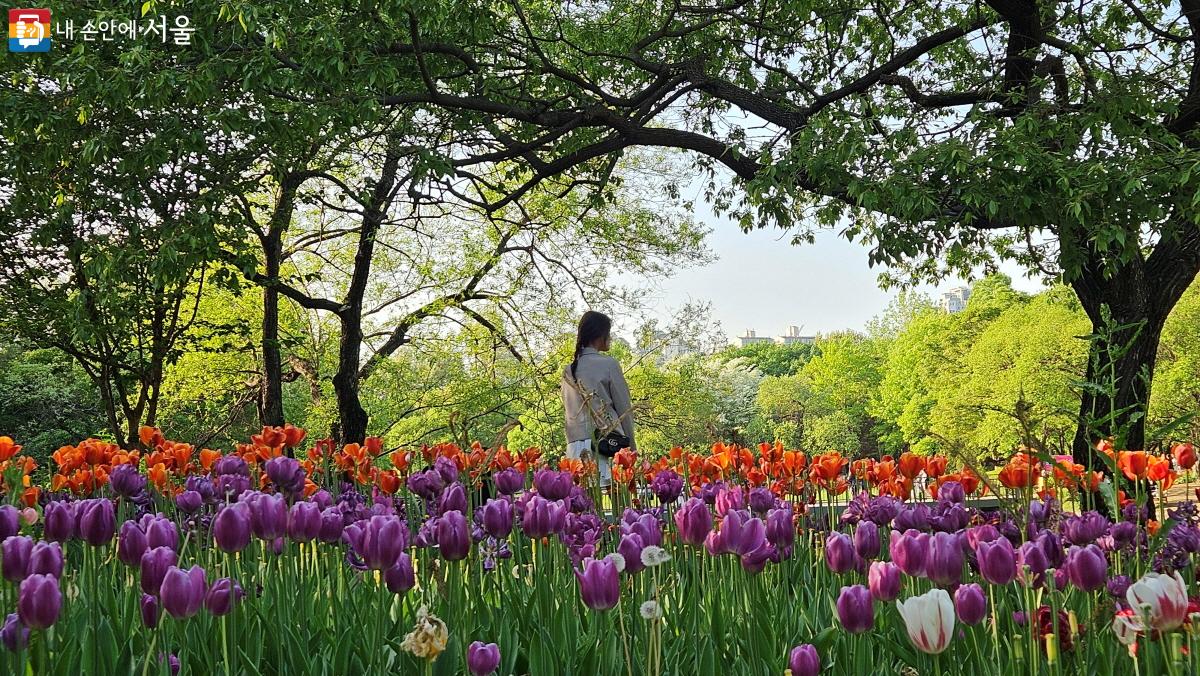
[(596, 398)]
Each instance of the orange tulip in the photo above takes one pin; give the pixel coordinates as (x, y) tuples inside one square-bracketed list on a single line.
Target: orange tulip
[(911, 464), (1133, 464), (935, 466), (1018, 474), (389, 482), (293, 436), (207, 458), (8, 449)]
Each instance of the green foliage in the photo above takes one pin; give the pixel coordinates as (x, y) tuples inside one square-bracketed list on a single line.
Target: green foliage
[(772, 359), (46, 401)]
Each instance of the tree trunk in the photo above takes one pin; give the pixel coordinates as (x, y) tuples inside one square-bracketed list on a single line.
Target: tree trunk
[(351, 415), (271, 410), (1128, 308)]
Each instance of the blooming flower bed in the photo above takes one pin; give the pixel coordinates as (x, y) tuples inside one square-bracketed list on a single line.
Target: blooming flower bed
[(449, 560)]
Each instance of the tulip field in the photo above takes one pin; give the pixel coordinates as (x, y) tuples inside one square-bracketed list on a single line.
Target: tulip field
[(287, 557)]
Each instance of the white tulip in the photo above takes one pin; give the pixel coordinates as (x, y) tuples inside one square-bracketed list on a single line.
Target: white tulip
[(1161, 599), (929, 619)]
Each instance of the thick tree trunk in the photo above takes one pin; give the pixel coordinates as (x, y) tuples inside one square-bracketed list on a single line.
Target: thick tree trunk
[(1128, 308), (351, 415)]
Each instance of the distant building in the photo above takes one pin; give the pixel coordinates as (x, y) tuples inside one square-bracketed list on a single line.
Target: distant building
[(672, 346), (750, 338), (955, 300), (793, 336)]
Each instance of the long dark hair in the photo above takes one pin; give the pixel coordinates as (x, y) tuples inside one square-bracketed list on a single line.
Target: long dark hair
[(592, 325)]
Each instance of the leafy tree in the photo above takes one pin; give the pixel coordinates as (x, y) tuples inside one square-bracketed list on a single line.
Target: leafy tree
[(46, 400), (773, 359), (844, 377), (949, 136)]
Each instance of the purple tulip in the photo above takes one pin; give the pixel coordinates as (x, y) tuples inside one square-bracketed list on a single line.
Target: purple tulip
[(645, 525), (839, 553), (1123, 533), (189, 502), (332, 525), (97, 521), (446, 469), (45, 558), (552, 485), (202, 486), (1031, 562), (222, 596), (912, 517), (951, 491), (453, 536), (694, 521), (149, 608), (909, 551), (286, 474), (667, 486), (304, 521), (126, 481), (483, 658), (543, 517), (160, 532), (1118, 586), (997, 561), (1087, 568), (982, 533), (14, 557), (453, 498), (740, 534), (400, 577), (231, 528), (855, 609), (1052, 548), (268, 515), (866, 540), (970, 604), (496, 516), (729, 499), (804, 660), (231, 465), (883, 580), (944, 563), (183, 591), (599, 584), (39, 601), (14, 635), (1085, 528), (756, 560), (155, 563), (172, 662), (131, 544), (630, 547), (780, 531), (10, 522), (58, 519), (760, 500), (379, 540), (508, 481)]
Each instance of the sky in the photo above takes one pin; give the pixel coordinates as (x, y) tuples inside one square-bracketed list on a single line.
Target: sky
[(761, 281)]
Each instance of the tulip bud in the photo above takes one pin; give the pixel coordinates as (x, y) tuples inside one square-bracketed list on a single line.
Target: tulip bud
[(14, 635), (222, 596), (400, 577), (453, 536), (483, 659), (10, 522), (14, 557), (46, 558), (804, 660), (182, 591), (929, 620), (59, 520), (839, 553), (599, 584), (508, 481), (883, 579), (694, 521), (304, 522), (149, 608), (970, 604), (866, 540), (552, 485), (39, 601), (131, 544), (189, 502), (231, 528), (496, 517), (855, 609), (154, 566)]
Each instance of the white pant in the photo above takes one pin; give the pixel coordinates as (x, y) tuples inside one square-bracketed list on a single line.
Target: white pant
[(582, 450)]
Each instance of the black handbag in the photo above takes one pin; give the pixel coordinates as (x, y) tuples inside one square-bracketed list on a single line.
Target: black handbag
[(611, 444)]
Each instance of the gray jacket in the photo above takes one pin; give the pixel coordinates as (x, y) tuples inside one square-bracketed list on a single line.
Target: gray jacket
[(599, 382)]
